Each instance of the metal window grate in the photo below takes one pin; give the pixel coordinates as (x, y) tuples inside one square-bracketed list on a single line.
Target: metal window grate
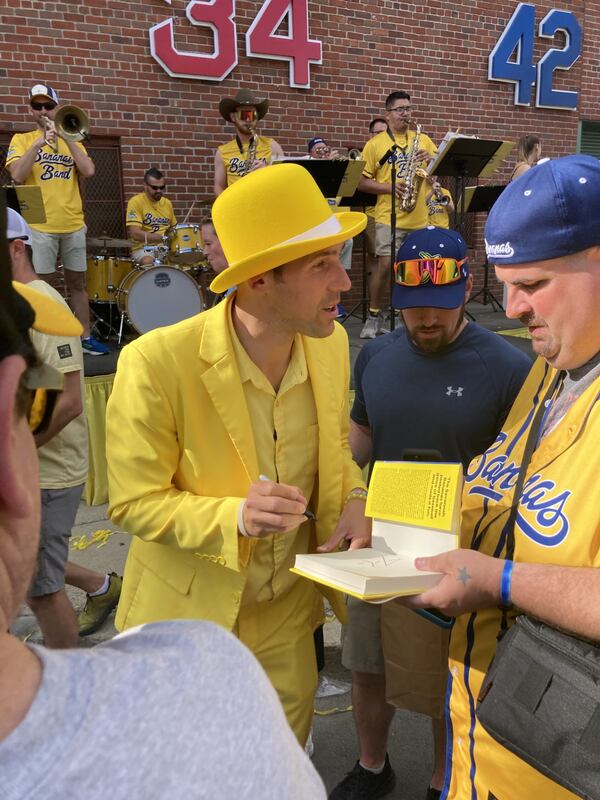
[(589, 138)]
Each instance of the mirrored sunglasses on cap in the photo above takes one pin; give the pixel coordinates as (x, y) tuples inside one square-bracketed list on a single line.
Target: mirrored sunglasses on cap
[(44, 384), (438, 271)]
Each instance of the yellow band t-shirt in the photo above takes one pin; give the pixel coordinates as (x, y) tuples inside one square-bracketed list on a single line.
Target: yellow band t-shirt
[(374, 151), (151, 217), (235, 153), (56, 175), (438, 213)]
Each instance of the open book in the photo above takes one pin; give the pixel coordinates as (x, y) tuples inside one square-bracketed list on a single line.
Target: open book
[(416, 512)]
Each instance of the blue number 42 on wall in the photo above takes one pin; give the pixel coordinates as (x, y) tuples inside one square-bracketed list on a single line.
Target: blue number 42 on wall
[(518, 38)]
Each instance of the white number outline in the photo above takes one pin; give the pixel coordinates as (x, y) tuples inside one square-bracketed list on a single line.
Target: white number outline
[(216, 38)]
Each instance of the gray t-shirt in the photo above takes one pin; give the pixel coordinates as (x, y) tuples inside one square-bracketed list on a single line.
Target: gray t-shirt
[(171, 710)]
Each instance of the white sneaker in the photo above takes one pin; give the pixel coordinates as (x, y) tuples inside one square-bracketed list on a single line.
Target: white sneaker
[(309, 747), (371, 326)]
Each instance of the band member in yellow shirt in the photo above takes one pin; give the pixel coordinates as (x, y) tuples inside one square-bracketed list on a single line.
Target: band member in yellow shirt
[(247, 150), (439, 204), (394, 144), (42, 157), (149, 215)]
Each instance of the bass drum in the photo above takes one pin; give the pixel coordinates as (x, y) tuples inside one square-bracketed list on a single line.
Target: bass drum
[(159, 296)]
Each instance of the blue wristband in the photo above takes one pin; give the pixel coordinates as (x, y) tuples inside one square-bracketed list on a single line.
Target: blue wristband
[(505, 600)]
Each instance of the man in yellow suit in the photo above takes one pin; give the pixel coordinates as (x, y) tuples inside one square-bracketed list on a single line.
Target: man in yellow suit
[(227, 436)]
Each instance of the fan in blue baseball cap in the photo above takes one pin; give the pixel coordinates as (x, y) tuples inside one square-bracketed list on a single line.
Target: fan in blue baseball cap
[(432, 285), (530, 532), (543, 237)]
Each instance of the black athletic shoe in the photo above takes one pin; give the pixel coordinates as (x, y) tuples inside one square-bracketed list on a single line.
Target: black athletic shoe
[(360, 784)]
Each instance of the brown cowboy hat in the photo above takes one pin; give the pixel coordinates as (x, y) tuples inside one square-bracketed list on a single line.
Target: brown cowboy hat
[(244, 97)]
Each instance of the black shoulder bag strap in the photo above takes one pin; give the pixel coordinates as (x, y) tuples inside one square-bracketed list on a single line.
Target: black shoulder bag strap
[(530, 445)]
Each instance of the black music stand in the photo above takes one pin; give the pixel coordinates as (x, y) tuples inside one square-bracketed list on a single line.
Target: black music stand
[(362, 200), (328, 173), (464, 157), (476, 200)]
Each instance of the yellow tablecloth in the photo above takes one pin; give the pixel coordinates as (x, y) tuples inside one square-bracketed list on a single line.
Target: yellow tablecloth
[(97, 392)]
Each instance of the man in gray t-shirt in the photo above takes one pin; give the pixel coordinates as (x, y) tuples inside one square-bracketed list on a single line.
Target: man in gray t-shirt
[(169, 710)]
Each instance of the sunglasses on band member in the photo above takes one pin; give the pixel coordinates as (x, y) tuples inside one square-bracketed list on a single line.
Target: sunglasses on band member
[(247, 114), (160, 188), (438, 271), (45, 106), (42, 384)]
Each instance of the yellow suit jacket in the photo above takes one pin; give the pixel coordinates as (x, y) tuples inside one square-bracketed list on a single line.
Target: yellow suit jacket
[(181, 457)]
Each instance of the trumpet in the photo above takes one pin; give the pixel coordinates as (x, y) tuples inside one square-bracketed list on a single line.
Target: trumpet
[(71, 123)]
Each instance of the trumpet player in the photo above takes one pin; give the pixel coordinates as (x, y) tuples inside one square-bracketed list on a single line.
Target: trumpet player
[(396, 143), (439, 204), (247, 150), (42, 157)]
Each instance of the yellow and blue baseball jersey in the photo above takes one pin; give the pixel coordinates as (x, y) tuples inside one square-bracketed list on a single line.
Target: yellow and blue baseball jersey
[(558, 522), (56, 175)]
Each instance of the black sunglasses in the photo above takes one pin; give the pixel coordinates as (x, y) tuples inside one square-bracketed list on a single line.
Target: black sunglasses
[(40, 106), (157, 188)]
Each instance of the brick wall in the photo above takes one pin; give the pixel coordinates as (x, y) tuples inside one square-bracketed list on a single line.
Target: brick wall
[(97, 56)]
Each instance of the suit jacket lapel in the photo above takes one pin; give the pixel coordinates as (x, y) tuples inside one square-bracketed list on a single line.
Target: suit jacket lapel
[(223, 384)]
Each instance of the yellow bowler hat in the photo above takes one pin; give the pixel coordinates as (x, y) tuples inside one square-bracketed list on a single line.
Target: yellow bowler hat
[(50, 316), (272, 216)]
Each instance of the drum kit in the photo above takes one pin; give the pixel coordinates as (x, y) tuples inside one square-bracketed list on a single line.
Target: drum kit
[(169, 289)]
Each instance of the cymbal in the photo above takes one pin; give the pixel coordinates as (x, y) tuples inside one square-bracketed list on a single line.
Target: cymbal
[(106, 242)]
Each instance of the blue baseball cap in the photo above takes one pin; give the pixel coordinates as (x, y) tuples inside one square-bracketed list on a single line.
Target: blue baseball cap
[(315, 141), (549, 212), (432, 242)]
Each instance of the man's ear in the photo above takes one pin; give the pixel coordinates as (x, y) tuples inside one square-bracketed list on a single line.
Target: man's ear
[(259, 282), (13, 488), (468, 288)]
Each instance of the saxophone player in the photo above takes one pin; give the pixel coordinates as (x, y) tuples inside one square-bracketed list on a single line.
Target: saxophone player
[(411, 153), (247, 150)]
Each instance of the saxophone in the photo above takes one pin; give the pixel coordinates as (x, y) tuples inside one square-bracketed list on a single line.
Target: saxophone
[(412, 176), (251, 157)]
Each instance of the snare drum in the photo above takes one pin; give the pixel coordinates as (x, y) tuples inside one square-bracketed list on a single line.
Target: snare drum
[(104, 276), (158, 296), (185, 245)]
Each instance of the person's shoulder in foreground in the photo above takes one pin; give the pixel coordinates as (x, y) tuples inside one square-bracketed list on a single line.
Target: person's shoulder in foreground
[(172, 709)]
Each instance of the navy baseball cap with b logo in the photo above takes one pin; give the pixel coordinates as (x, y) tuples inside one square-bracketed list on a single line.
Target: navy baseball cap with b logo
[(551, 211), (431, 270)]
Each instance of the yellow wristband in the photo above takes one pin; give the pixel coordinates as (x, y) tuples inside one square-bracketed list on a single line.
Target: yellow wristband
[(356, 494)]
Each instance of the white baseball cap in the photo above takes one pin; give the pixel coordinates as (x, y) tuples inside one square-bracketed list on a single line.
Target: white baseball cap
[(43, 90), (16, 227)]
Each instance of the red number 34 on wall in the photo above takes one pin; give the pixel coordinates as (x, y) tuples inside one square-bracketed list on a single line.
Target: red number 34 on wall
[(262, 41)]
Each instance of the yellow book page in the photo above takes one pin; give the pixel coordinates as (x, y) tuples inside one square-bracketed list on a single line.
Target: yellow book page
[(414, 493)]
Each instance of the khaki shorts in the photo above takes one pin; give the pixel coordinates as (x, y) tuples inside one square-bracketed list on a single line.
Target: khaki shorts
[(370, 235), (47, 246), (383, 238), (361, 646), (59, 507)]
